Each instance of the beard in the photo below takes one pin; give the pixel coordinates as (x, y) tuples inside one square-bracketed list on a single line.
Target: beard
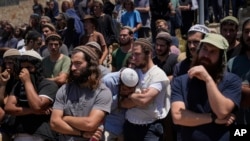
[(212, 68), (143, 64), (162, 53), (82, 77), (124, 43)]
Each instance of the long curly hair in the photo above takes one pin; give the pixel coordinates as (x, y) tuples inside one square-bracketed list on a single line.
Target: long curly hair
[(93, 72)]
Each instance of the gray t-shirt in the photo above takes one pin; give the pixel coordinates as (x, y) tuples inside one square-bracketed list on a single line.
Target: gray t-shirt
[(76, 101)]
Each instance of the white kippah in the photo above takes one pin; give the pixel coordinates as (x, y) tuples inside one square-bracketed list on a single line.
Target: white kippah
[(200, 28)]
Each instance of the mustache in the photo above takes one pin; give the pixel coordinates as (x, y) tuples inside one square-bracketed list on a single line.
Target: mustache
[(205, 59)]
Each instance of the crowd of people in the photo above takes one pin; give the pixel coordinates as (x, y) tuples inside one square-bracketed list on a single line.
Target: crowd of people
[(112, 70)]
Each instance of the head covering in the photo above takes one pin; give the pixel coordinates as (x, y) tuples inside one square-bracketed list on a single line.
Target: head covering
[(35, 16), (112, 2), (143, 42), (53, 35), (199, 28), (50, 26), (61, 16), (32, 53), (165, 36), (129, 77), (94, 44), (99, 1), (47, 18), (11, 52), (86, 17), (230, 18), (88, 50), (216, 40)]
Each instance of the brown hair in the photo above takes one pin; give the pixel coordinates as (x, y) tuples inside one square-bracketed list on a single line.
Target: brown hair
[(94, 73)]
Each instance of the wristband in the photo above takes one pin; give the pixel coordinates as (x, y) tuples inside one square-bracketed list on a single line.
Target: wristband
[(213, 116)]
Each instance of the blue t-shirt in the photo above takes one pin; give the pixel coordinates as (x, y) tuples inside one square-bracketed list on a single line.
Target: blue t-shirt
[(115, 120), (131, 19), (193, 93)]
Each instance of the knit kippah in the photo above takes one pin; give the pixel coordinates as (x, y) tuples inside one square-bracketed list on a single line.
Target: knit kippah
[(143, 42), (50, 26), (32, 53), (11, 52), (88, 50), (165, 36), (94, 44), (53, 35)]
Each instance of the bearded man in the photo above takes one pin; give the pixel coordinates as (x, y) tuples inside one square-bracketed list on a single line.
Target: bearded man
[(164, 59), (204, 99), (240, 65), (149, 105), (82, 103), (120, 55)]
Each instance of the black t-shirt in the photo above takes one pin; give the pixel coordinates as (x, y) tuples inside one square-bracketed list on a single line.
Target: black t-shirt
[(168, 65), (35, 124), (233, 52), (182, 67)]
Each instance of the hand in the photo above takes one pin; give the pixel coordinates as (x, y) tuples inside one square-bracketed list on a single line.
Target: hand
[(227, 121), (24, 75), (4, 77), (43, 112), (199, 72), (96, 135)]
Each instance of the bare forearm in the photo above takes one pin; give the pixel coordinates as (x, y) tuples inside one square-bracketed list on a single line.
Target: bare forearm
[(142, 9), (127, 103), (2, 93), (19, 111), (188, 118), (33, 98), (62, 127), (220, 105), (104, 55), (59, 80), (86, 123), (138, 26)]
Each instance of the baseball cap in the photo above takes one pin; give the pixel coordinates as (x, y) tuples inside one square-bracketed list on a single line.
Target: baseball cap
[(199, 28), (129, 77), (216, 40), (11, 52), (32, 53)]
